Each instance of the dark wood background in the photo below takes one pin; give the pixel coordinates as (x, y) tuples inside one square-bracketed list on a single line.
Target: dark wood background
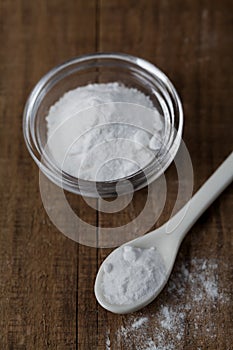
[(46, 280)]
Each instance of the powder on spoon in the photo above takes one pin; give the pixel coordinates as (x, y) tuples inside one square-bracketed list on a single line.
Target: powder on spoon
[(132, 274), (103, 132)]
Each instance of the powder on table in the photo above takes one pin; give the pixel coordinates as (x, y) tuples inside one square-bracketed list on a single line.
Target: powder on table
[(103, 132), (132, 274), (188, 307)]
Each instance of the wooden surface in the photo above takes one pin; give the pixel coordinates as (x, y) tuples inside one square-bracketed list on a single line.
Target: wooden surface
[(46, 280)]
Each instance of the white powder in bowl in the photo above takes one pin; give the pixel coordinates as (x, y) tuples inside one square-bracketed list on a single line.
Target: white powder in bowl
[(132, 274), (103, 132)]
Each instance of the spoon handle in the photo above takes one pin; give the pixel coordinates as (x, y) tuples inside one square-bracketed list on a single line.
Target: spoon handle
[(203, 198)]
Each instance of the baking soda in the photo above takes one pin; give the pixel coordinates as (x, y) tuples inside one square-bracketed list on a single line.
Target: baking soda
[(132, 274), (103, 132), (164, 324)]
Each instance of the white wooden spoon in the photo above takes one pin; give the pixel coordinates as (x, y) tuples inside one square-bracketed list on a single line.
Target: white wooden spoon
[(167, 238)]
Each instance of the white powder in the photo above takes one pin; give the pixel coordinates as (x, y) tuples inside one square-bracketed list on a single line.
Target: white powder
[(132, 274), (108, 342), (103, 131), (138, 323), (193, 288)]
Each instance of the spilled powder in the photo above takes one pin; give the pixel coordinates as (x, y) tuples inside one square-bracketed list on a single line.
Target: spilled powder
[(108, 342), (192, 290), (137, 324)]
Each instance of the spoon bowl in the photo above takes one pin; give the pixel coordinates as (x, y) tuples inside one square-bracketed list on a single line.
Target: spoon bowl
[(167, 238)]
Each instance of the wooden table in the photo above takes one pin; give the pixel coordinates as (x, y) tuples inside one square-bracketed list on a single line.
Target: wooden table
[(46, 280)]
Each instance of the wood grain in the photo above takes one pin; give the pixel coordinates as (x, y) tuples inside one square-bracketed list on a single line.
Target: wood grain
[(46, 280)]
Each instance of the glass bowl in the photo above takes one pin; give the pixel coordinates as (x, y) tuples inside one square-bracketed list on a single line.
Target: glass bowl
[(103, 67)]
